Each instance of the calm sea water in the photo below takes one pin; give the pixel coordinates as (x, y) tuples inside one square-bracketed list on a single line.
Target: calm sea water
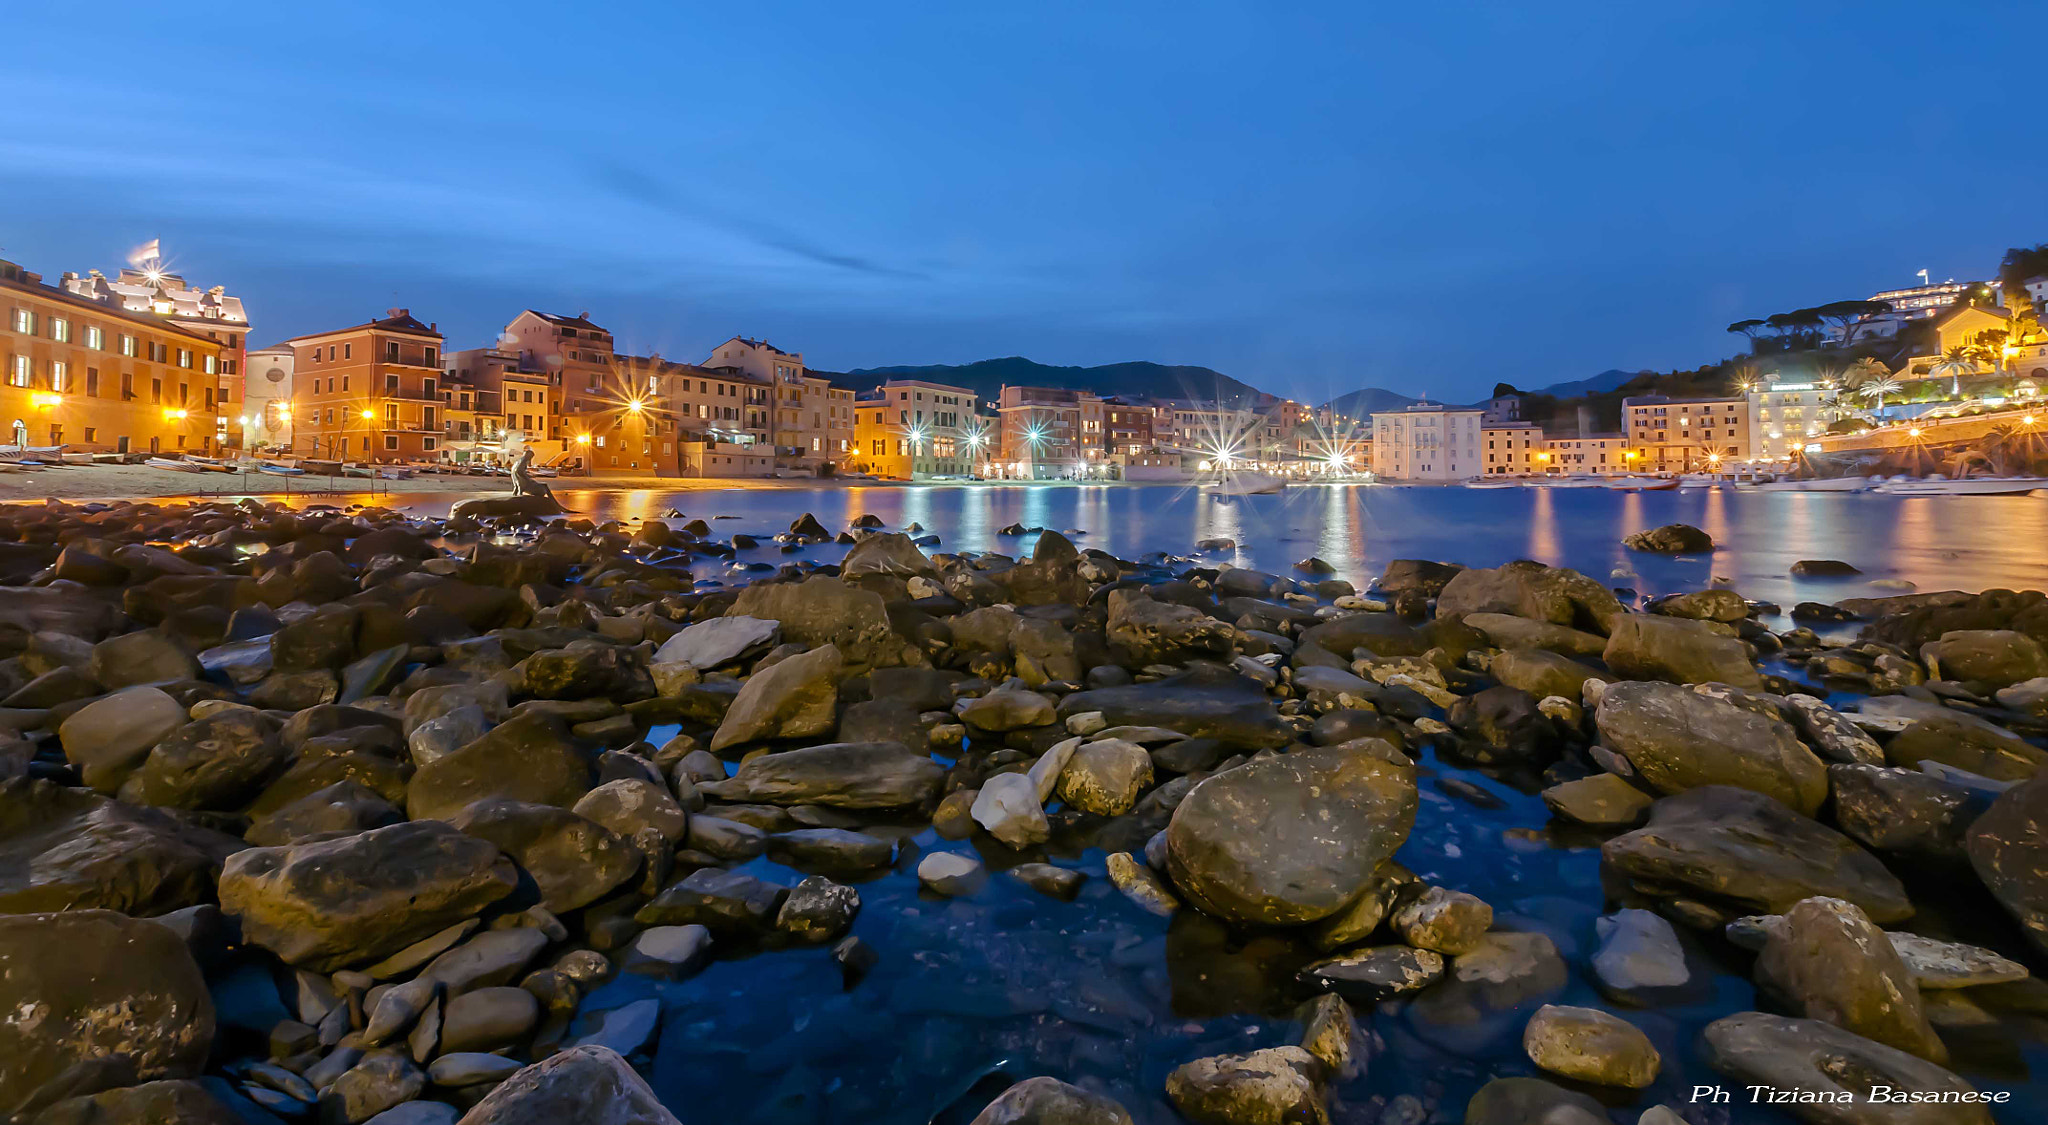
[(974, 993)]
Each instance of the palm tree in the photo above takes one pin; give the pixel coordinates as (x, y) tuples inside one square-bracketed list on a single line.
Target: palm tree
[(1955, 363), (1877, 388)]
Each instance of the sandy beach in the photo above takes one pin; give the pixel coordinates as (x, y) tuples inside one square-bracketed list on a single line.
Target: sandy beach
[(138, 482)]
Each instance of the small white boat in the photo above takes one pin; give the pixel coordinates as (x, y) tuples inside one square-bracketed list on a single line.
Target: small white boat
[(1641, 484), (1966, 486), (1567, 482), (1246, 484), (1817, 484), (174, 466), (280, 470)]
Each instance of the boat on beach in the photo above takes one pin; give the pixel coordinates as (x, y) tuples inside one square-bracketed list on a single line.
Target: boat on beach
[(1962, 486), (279, 470), (1641, 484), (176, 466)]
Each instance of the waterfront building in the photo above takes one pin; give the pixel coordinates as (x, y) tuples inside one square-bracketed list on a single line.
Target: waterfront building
[(1427, 441), (1127, 426), (266, 406), (371, 392), (1050, 433), (508, 406), (1513, 448), (1588, 454), (1787, 416), (810, 420), (92, 375), (146, 288), (909, 429), (576, 356), (1686, 435), (1908, 305)]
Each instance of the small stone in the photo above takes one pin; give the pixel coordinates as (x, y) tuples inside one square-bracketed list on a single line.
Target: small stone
[(1141, 885), (1274, 1086), (1443, 921), (950, 874), (1591, 1046)]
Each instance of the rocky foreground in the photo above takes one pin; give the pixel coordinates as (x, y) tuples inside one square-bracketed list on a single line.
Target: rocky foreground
[(312, 816)]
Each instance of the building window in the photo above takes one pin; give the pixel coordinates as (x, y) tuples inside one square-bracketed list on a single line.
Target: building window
[(156, 392), (391, 351), (212, 366), (60, 376), (25, 322), (96, 338), (18, 372), (92, 383), (185, 358), (60, 330), (390, 441), (348, 351)]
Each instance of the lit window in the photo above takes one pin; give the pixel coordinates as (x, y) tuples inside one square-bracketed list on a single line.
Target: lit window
[(18, 372), (96, 338), (60, 376), (24, 322), (60, 330), (212, 366)]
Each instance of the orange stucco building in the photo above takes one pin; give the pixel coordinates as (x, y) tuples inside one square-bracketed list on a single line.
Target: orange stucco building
[(90, 376), (369, 393)]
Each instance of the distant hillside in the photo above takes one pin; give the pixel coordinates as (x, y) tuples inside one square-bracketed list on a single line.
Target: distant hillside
[(1366, 400), (987, 377)]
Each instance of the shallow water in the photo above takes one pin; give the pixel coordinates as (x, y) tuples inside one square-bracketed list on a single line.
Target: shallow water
[(974, 993)]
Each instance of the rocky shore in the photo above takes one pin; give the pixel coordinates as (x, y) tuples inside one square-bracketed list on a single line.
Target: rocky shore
[(343, 817)]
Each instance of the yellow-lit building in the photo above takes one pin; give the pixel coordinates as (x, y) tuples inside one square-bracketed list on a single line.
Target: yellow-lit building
[(91, 376), (908, 429), (1513, 448), (1689, 435)]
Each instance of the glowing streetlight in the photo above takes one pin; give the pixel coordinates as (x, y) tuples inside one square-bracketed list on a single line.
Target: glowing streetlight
[(2028, 420), (369, 415), (1914, 432), (43, 400), (635, 406), (582, 439)]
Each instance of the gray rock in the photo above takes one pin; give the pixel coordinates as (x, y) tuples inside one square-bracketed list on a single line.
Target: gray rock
[(891, 553), (71, 849), (488, 1018), (1141, 885), (1643, 647), (1509, 631), (669, 951), (573, 861), (529, 758), (830, 850), (728, 903), (950, 874), (1947, 964), (1442, 921), (1996, 658), (794, 698), (1670, 539), (491, 958), (335, 903), (719, 641), (471, 1068), (1274, 1086), (380, 1081), (219, 762), (1638, 951), (143, 657), (625, 1029), (1006, 709), (846, 775), (1827, 1063), (1898, 810), (1007, 808), (1829, 962), (1831, 733), (1205, 702), (110, 736), (1106, 777), (1739, 848), (586, 1085), (2008, 846), (1049, 1101), (1153, 632), (1290, 839), (630, 804), (818, 910), (1678, 739), (1600, 801), (84, 985)]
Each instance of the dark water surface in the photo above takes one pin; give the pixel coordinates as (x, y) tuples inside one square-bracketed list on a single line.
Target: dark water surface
[(976, 992)]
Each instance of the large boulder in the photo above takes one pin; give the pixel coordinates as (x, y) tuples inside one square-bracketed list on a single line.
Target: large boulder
[(109, 737), (1740, 852), (335, 903), (1274, 1086), (2008, 845), (527, 758), (1646, 647), (1150, 632), (1671, 539), (1049, 1101), (586, 1085), (146, 656), (1679, 739), (179, 1100), (1203, 702), (1827, 961), (793, 698), (84, 988), (846, 775), (70, 849), (721, 640), (891, 552), (827, 611), (1828, 1073), (218, 762), (1532, 590), (1420, 575), (573, 861), (1998, 658), (1542, 672), (1293, 838), (505, 507), (1532, 1101), (1506, 630), (1903, 811)]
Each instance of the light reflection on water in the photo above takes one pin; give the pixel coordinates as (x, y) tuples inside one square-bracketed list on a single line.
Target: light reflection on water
[(1972, 542)]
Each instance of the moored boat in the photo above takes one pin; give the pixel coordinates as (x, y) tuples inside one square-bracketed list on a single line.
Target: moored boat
[(1965, 486)]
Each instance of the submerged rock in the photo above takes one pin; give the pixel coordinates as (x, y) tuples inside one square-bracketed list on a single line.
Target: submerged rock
[(1274, 1086), (1048, 1101), (1679, 739), (1829, 1072)]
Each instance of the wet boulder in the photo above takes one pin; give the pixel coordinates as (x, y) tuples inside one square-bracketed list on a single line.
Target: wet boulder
[(793, 698), (166, 1100), (83, 987), (1152, 632), (527, 758), (1828, 961), (218, 762), (1679, 739), (1006, 709), (588, 1085), (891, 553), (143, 657), (1541, 672), (719, 641), (1646, 647), (343, 808), (71, 849), (846, 775), (1105, 777), (1704, 605), (1740, 852), (2008, 847), (1293, 838), (1420, 575), (573, 861), (109, 737), (1831, 1071), (347, 901), (1968, 743), (827, 611), (1049, 1101), (323, 639), (1204, 702), (1510, 632), (1534, 591), (1902, 811), (588, 669), (1670, 539), (1997, 658), (1274, 1086), (1532, 1101), (1589, 1045)]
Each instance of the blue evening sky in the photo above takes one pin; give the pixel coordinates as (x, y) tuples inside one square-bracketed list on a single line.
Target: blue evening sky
[(1309, 196)]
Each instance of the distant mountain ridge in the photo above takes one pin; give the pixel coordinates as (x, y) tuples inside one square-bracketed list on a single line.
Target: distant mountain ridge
[(1366, 400), (1139, 379)]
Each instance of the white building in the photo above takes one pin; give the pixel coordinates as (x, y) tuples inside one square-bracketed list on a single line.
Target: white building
[(1908, 305), (265, 416), (1427, 442), (1785, 417)]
